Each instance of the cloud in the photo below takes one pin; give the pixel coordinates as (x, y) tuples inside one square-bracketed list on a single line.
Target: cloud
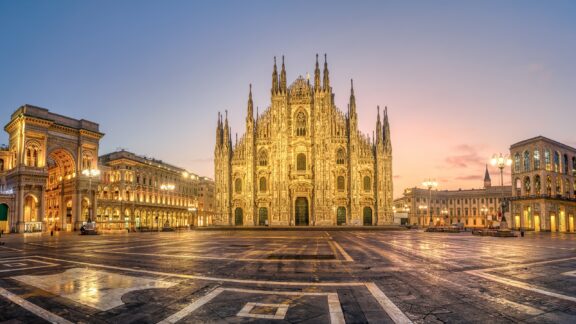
[(466, 156)]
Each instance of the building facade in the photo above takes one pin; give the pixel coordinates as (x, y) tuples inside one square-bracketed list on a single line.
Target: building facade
[(544, 178), (141, 193), (470, 207), (303, 161), (44, 185)]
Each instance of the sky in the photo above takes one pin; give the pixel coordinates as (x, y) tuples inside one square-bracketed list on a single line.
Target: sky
[(462, 80)]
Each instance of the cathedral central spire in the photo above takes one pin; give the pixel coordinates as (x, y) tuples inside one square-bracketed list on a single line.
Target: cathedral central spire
[(250, 115)]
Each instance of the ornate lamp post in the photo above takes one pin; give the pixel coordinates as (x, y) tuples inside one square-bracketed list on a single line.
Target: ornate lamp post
[(90, 173), (430, 184), (501, 161)]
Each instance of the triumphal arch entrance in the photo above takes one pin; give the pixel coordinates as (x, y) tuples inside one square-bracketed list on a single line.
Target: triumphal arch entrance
[(47, 156)]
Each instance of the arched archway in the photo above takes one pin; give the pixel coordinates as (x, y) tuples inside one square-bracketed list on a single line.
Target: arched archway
[(238, 217), (367, 216), (4, 218)]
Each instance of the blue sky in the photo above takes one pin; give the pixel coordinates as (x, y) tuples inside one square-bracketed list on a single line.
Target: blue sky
[(461, 79)]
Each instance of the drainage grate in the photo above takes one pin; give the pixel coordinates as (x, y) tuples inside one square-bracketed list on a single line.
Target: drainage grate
[(302, 256)]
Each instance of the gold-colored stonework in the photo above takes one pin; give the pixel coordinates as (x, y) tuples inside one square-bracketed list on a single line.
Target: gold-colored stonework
[(303, 161)]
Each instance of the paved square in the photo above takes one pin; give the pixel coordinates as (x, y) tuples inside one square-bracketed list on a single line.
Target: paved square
[(290, 276)]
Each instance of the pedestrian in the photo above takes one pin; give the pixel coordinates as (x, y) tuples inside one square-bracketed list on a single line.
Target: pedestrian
[(51, 232), (522, 232)]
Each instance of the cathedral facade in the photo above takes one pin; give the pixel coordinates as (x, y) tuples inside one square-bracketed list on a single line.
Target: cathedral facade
[(303, 161)]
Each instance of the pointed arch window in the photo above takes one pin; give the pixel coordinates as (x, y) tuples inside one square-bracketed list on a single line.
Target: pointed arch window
[(238, 185), (526, 161), (301, 124), (367, 183), (263, 186), (301, 162), (263, 158), (547, 163), (341, 183), (340, 157), (565, 164)]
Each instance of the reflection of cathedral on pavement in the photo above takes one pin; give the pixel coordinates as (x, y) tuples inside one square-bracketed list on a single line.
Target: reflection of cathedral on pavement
[(303, 161)]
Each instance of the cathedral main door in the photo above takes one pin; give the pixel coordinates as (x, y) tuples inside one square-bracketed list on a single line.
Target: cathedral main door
[(341, 216), (301, 212), (367, 216)]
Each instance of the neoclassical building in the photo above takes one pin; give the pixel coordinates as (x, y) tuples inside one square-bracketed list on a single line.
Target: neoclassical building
[(44, 185), (470, 207), (303, 161), (141, 193), (544, 178)]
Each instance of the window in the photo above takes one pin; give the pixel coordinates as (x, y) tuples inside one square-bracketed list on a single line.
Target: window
[(556, 162), (565, 164), (340, 156), (301, 162), (527, 185), (263, 158), (263, 184), (536, 159), (548, 186), (238, 186), (574, 166), (301, 124), (340, 182), (537, 185), (367, 183), (547, 160), (526, 161), (517, 162), (1, 165)]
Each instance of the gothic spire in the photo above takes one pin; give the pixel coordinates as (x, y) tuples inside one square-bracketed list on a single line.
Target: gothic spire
[(219, 131), (283, 77), (387, 139), (378, 127), (226, 136), (250, 115), (352, 98), (487, 180), (317, 75), (326, 77), (274, 78)]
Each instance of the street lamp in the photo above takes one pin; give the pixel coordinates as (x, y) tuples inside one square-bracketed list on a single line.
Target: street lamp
[(501, 161), (90, 173), (430, 184)]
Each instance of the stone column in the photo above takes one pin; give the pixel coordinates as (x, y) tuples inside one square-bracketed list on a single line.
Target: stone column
[(19, 228), (42, 210)]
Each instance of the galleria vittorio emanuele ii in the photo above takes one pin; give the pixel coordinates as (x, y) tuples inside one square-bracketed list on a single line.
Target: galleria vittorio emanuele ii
[(303, 161)]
